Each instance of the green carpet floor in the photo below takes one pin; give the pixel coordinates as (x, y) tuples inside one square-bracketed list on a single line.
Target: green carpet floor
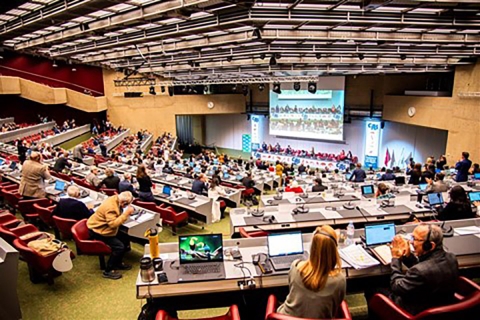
[(72, 143)]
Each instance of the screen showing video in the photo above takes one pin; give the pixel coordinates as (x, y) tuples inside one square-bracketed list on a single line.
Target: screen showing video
[(302, 114), (201, 248)]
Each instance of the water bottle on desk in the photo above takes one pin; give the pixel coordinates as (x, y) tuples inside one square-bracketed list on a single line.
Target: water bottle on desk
[(350, 234)]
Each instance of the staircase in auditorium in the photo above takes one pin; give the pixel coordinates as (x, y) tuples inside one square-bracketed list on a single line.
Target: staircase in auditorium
[(48, 95)]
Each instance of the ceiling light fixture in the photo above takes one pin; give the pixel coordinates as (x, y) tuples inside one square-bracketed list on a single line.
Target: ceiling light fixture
[(403, 56), (256, 33), (318, 56), (296, 86), (272, 61), (262, 56), (152, 91), (261, 87), (312, 87), (276, 87), (361, 56), (229, 58), (54, 64)]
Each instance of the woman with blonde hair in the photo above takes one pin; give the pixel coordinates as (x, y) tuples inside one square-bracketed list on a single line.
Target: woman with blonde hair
[(317, 286)]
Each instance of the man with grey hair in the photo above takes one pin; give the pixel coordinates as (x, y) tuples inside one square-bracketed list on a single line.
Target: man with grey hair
[(71, 208), (92, 178), (34, 173), (104, 225), (431, 275), (126, 184)]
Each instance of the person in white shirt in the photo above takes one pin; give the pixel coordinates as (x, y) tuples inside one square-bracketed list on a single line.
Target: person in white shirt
[(214, 192)]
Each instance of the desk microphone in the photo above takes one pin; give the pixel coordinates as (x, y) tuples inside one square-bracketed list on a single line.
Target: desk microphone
[(302, 209), (256, 212), (279, 195)]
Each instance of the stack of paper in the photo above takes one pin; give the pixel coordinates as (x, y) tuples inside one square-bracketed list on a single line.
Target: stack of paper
[(467, 230), (357, 257)]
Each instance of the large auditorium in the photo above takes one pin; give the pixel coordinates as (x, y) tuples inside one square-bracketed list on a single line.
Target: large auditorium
[(227, 159)]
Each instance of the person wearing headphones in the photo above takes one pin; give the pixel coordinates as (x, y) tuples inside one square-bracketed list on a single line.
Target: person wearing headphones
[(104, 225), (317, 286), (431, 275)]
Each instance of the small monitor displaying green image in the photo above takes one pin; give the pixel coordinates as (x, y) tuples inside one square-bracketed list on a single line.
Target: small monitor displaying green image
[(200, 248)]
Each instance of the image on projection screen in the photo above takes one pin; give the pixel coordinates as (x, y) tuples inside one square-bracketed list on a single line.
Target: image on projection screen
[(302, 114)]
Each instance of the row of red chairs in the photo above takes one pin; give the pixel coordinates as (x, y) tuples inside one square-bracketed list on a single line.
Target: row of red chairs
[(38, 136)]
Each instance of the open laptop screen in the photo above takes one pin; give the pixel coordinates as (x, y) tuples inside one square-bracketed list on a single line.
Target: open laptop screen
[(367, 189), (200, 248), (476, 176), (377, 234), (435, 198), (474, 196), (59, 185), (167, 190), (423, 186), (284, 244)]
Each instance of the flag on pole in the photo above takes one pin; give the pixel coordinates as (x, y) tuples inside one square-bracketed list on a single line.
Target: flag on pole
[(407, 160), (387, 158), (392, 163), (401, 158)]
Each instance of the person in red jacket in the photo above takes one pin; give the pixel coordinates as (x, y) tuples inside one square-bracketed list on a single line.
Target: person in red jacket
[(294, 187)]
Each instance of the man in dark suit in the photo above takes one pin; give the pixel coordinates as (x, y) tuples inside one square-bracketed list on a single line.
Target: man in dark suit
[(387, 176), (462, 167), (61, 163), (358, 174), (126, 185), (199, 185), (432, 272), (318, 187), (71, 208), (111, 181), (248, 181)]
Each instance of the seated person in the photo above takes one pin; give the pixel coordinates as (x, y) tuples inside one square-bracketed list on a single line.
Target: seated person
[(475, 168), (428, 174), (248, 181), (459, 206), (92, 178), (104, 225), (302, 169), (358, 175), (415, 174), (438, 185), (318, 187), (188, 173), (387, 176), (71, 208), (383, 192), (126, 184), (61, 163), (216, 177), (199, 185), (167, 169), (431, 275), (294, 187), (111, 181), (317, 286)]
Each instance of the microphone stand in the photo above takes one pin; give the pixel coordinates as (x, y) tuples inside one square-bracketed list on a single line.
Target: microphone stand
[(256, 212), (302, 209)]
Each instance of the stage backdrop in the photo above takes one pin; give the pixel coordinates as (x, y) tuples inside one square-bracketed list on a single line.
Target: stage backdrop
[(226, 131)]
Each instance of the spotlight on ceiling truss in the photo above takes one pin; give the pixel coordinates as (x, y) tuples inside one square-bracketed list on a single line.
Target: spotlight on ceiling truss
[(296, 86), (276, 88), (312, 87)]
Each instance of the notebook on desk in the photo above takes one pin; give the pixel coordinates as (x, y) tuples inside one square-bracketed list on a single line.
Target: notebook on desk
[(201, 257), (284, 248)]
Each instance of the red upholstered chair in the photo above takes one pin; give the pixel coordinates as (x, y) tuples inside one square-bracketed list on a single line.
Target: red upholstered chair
[(248, 193), (172, 218), (109, 192), (89, 247), (232, 314), (65, 177), (64, 227), (8, 220), (11, 198), (38, 265), (10, 234), (253, 234), (467, 305), (27, 209), (342, 314), (152, 206)]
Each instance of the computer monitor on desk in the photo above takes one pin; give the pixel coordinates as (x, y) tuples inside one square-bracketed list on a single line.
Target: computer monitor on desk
[(476, 176), (474, 196)]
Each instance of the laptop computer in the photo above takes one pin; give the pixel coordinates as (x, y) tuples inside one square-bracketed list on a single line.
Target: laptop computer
[(379, 233), (399, 181), (284, 248), (368, 191), (226, 176), (239, 177), (2, 162), (201, 257), (474, 196), (59, 187), (435, 199), (348, 176), (422, 187), (476, 176), (166, 192)]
